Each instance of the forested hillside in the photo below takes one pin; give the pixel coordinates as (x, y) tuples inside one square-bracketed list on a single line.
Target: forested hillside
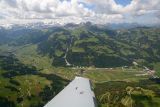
[(82, 47), (36, 64), (90, 45)]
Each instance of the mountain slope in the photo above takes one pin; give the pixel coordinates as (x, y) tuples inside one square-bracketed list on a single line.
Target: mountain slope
[(100, 48), (90, 45)]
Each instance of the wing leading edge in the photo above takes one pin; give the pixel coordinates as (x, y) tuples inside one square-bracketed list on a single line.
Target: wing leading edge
[(77, 94)]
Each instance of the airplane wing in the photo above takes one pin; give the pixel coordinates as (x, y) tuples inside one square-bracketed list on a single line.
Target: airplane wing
[(77, 94)]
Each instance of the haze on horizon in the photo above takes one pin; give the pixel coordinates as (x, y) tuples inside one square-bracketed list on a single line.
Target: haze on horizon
[(75, 11)]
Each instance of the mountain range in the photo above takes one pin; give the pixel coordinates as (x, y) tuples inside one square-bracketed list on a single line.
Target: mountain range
[(86, 44)]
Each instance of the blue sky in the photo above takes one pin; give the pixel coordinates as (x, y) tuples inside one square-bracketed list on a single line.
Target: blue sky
[(123, 2)]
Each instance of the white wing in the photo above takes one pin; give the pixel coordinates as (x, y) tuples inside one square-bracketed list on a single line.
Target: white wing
[(77, 94)]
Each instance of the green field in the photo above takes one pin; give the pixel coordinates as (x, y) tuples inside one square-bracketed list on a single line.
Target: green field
[(114, 87)]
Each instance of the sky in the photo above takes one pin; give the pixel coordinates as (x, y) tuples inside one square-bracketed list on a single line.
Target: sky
[(76, 11), (123, 2)]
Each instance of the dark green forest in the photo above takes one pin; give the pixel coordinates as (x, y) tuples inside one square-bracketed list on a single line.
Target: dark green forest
[(36, 64)]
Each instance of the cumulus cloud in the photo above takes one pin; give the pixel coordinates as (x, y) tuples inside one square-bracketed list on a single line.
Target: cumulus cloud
[(76, 11)]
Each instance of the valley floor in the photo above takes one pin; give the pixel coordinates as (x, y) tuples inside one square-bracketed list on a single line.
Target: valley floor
[(28, 79)]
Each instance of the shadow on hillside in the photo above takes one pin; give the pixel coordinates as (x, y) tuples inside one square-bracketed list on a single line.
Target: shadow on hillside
[(57, 85), (4, 102), (13, 67)]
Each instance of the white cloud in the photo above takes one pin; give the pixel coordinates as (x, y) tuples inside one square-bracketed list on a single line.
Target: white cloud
[(63, 11)]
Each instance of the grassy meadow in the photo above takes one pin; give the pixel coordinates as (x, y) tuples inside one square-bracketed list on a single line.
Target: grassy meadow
[(113, 87)]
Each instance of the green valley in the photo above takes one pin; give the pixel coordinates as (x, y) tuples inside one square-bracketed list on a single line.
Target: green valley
[(36, 64)]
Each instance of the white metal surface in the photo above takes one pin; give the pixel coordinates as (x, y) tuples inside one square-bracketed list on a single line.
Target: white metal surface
[(77, 94)]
